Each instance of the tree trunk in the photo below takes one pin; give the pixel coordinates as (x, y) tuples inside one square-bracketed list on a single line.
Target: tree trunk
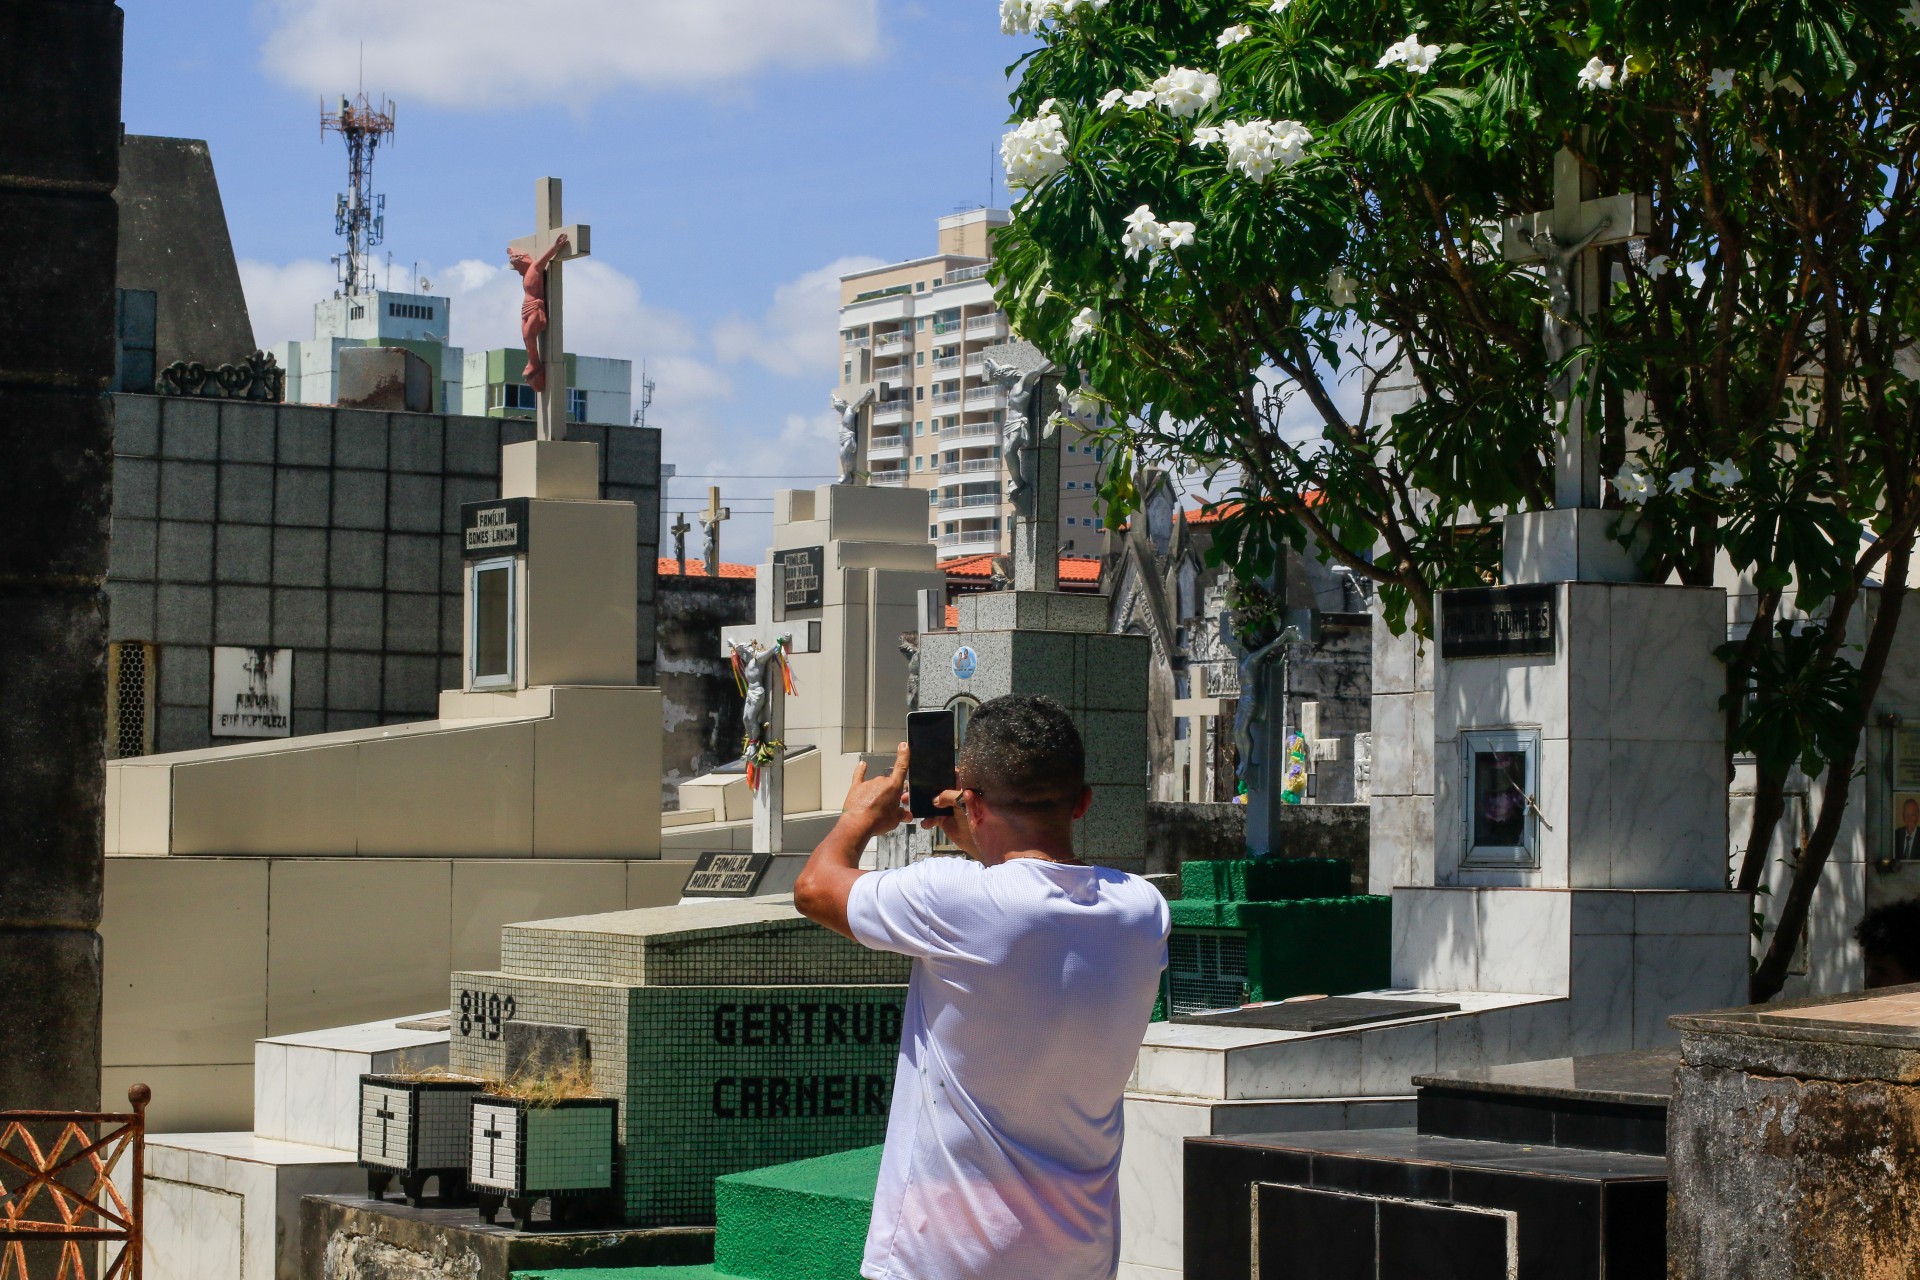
[(1772, 972), (59, 163)]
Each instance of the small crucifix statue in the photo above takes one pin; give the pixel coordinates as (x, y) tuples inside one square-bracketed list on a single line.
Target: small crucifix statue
[(1566, 242), (710, 522), (538, 258), (1030, 447), (680, 530), (765, 679)]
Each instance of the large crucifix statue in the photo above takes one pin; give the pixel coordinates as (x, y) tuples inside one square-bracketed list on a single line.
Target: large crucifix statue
[(680, 529), (1030, 447), (853, 404), (710, 522), (1566, 242), (538, 258), (765, 678)]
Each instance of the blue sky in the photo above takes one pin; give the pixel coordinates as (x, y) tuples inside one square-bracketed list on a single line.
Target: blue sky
[(733, 156)]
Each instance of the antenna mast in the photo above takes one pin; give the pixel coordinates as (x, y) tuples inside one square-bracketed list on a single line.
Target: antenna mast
[(646, 396), (359, 215)]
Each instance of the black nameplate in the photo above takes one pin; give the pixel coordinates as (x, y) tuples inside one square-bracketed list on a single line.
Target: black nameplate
[(727, 875), (802, 574), (493, 528), (1497, 622)]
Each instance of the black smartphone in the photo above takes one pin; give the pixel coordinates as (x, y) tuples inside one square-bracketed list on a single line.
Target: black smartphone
[(929, 761)]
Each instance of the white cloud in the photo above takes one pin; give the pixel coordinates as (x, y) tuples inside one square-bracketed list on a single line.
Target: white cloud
[(800, 333), (496, 53), (280, 298)]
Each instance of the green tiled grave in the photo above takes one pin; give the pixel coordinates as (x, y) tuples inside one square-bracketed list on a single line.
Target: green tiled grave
[(1270, 928), (725, 1058), (801, 1221)]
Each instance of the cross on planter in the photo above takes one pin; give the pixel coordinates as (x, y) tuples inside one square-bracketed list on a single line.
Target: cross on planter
[(381, 1113)]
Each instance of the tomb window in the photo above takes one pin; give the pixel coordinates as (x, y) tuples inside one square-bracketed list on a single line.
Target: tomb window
[(130, 689), (492, 645), (1500, 785)]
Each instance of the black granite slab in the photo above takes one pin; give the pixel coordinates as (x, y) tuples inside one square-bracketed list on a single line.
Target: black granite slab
[(1328, 1014), (1438, 1206), (1610, 1102)]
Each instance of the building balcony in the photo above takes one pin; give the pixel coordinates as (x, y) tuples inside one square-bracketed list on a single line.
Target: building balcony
[(969, 466), (886, 446), (966, 500), (889, 479), (857, 344), (975, 538), (946, 326), (994, 325), (988, 431), (900, 375), (944, 397), (946, 363), (986, 397), (889, 411), (963, 276), (888, 344)]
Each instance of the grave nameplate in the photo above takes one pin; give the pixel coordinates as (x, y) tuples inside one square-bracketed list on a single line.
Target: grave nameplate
[(493, 528), (801, 573), (727, 875), (1494, 622), (252, 692)]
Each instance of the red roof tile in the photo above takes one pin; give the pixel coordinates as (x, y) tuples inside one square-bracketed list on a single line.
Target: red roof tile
[(980, 568), (670, 568)]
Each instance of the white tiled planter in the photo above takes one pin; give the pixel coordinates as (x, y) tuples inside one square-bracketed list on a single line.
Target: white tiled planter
[(415, 1129), (521, 1154)]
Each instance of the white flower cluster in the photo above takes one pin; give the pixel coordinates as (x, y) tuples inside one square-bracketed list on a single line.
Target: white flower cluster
[(1599, 75), (1145, 233), (1240, 31), (1024, 17), (1635, 484), (1911, 14), (1034, 150), (1280, 6), (1258, 147), (1184, 91), (1720, 79), (1083, 325), (1417, 58)]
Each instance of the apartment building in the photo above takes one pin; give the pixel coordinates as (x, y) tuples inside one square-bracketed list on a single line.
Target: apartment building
[(924, 328)]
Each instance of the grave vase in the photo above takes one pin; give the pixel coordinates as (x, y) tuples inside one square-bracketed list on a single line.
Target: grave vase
[(561, 1152), (415, 1129)]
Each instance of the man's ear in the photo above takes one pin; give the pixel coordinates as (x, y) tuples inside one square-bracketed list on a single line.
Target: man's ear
[(1084, 803)]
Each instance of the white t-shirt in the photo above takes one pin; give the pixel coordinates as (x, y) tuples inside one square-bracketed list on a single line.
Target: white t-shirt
[(1032, 985)]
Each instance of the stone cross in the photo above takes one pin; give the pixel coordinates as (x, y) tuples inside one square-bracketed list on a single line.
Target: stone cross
[(710, 525), (680, 530), (551, 414), (1030, 447), (1566, 242)]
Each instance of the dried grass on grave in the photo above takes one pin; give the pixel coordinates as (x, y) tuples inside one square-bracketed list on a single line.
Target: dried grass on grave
[(550, 1087), (407, 1073)]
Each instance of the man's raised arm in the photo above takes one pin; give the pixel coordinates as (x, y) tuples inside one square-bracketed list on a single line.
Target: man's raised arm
[(873, 806)]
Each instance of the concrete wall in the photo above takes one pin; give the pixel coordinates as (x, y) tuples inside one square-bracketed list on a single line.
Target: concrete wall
[(700, 710), (206, 955), (173, 240), (333, 532)]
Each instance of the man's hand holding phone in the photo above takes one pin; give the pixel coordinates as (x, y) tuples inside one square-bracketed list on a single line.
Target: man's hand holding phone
[(956, 826)]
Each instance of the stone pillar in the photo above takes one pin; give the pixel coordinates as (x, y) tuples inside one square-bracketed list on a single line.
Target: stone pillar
[(1793, 1140), (59, 162)]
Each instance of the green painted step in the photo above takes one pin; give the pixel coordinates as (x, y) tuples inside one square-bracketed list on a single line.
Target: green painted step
[(1264, 880), (801, 1221)]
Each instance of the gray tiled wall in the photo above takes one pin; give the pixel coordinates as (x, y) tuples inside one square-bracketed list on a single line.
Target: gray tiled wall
[(331, 532)]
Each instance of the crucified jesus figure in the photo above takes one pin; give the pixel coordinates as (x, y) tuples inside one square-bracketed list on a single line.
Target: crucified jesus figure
[(1558, 261), (533, 307)]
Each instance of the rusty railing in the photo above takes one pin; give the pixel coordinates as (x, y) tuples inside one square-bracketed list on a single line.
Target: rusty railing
[(58, 1198)]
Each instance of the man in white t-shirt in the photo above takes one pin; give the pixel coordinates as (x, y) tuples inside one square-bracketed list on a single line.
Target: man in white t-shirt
[(1034, 974)]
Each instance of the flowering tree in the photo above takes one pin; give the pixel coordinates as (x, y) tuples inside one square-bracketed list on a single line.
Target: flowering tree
[(1242, 219)]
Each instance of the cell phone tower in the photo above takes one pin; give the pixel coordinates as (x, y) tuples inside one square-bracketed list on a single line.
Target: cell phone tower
[(359, 214)]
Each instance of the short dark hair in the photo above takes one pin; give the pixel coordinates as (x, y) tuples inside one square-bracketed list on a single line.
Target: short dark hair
[(1024, 752), (1893, 932)]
